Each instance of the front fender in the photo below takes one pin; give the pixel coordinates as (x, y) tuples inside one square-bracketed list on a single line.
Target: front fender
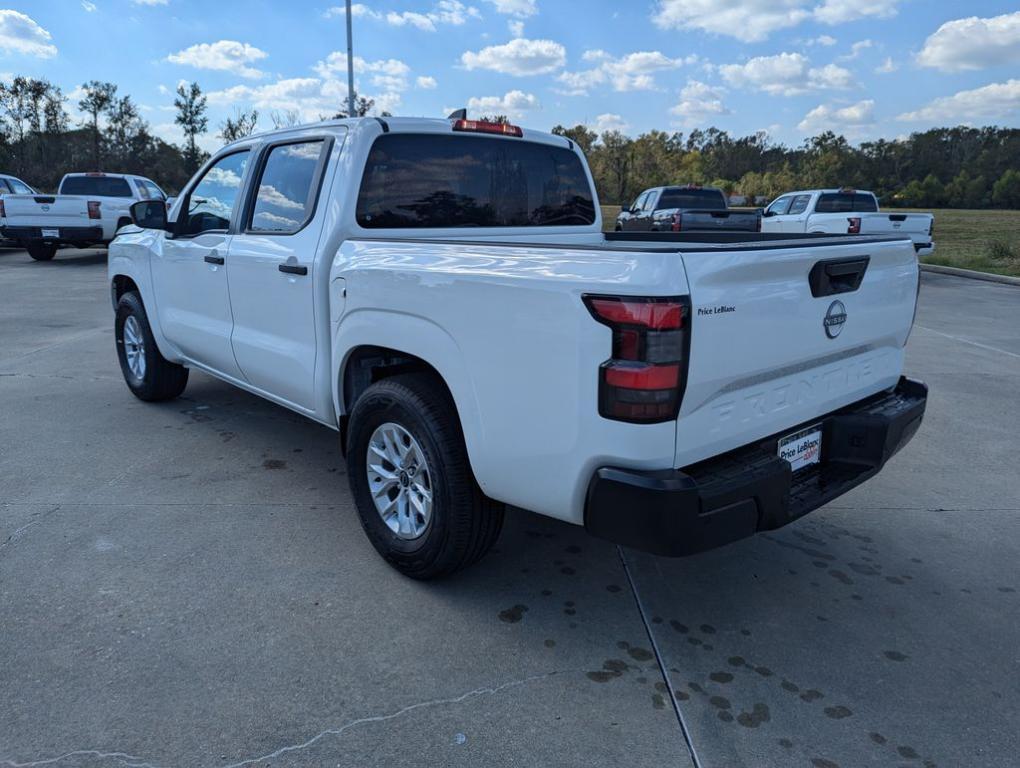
[(128, 256)]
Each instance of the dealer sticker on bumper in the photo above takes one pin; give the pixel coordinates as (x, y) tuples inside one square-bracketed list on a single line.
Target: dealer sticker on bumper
[(51, 233), (803, 448)]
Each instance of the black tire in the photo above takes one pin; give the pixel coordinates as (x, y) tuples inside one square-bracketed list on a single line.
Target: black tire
[(41, 251), (161, 380), (464, 522)]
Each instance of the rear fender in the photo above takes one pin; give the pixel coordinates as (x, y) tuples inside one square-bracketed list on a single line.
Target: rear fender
[(422, 338)]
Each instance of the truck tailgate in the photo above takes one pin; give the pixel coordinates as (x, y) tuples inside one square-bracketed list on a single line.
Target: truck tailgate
[(917, 225), (46, 211), (719, 221), (772, 349)]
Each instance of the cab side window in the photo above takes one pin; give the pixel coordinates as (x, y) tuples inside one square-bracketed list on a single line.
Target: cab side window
[(286, 194), (639, 203), (210, 203), (779, 207), (799, 204), (649, 205)]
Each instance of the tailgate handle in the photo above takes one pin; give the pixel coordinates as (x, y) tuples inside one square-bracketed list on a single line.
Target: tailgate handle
[(833, 276), (44, 200)]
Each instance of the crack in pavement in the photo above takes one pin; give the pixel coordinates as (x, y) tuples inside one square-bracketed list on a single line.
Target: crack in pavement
[(133, 761), (19, 532)]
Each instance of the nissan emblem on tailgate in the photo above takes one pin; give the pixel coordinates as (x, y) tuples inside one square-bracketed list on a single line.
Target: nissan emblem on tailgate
[(835, 317)]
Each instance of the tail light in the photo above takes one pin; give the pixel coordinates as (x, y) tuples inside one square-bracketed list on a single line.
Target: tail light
[(3, 211), (931, 224), (855, 225), (94, 209), (677, 222), (643, 381), (481, 126)]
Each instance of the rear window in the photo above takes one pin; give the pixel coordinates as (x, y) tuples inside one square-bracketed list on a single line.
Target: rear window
[(846, 202), (711, 199), (423, 180), (99, 186)]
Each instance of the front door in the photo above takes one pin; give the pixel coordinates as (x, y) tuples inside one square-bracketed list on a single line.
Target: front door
[(189, 273), (272, 260)]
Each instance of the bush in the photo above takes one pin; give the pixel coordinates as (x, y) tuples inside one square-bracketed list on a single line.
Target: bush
[(1002, 252)]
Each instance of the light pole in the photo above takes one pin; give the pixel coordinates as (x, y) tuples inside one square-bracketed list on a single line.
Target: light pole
[(350, 65)]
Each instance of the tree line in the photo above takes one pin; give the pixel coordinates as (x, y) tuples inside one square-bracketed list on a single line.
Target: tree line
[(958, 167)]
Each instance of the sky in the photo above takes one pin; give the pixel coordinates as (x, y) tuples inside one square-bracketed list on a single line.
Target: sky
[(863, 68)]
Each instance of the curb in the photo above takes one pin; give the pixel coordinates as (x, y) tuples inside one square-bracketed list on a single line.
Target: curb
[(970, 273)]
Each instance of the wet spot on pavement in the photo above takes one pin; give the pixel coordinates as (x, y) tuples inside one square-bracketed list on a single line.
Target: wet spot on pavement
[(812, 695), (640, 654), (657, 701), (840, 576), (720, 677), (274, 464), (838, 712), (612, 588), (681, 628), (907, 752), (895, 655), (877, 738), (514, 614), (758, 715), (720, 702)]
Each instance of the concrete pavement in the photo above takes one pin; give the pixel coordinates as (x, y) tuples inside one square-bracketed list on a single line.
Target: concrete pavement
[(187, 584)]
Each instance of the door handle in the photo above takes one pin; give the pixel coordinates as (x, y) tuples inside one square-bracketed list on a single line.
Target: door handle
[(213, 259), (293, 269)]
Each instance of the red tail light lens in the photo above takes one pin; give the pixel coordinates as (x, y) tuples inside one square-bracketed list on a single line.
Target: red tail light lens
[(855, 225), (94, 209), (481, 126), (643, 381)]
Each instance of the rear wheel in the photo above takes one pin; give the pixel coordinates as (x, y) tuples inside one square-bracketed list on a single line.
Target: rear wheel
[(417, 498), (41, 251), (148, 374)]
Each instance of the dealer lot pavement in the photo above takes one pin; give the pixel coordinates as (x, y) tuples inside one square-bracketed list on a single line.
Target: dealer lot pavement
[(187, 585)]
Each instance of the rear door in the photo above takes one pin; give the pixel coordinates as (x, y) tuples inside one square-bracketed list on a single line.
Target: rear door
[(770, 351), (271, 269)]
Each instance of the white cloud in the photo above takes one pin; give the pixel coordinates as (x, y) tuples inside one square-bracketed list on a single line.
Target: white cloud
[(887, 66), (857, 49), (89, 7), (698, 102), (631, 72), (388, 74), (512, 104), (842, 11), (609, 122), (518, 57), (849, 119), (754, 20), (452, 12), (516, 27), (224, 56), (519, 8), (150, 2), (20, 34), (973, 43), (426, 83), (825, 40), (747, 20), (786, 74), (996, 100)]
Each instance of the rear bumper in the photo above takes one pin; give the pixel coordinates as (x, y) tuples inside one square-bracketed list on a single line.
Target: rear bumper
[(750, 489), (924, 249), (70, 235)]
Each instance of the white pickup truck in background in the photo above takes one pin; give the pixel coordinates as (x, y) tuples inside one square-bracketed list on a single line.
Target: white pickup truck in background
[(442, 294), (845, 212), (88, 210)]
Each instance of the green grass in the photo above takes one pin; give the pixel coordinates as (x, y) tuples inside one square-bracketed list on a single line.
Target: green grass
[(988, 241)]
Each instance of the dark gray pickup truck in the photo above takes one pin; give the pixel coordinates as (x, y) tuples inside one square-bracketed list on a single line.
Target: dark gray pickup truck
[(685, 209)]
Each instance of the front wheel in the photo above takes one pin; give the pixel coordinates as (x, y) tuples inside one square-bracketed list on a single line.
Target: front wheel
[(148, 374), (407, 464), (41, 251)]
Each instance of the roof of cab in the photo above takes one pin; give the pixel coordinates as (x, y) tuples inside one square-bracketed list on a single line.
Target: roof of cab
[(402, 125)]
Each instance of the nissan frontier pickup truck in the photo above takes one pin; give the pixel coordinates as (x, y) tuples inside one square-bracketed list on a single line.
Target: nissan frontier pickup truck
[(849, 212), (441, 293)]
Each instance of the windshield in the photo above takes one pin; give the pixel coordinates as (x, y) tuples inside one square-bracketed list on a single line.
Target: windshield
[(428, 180)]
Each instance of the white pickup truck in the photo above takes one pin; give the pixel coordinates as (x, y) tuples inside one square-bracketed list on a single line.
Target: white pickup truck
[(442, 294), (88, 210), (846, 212)]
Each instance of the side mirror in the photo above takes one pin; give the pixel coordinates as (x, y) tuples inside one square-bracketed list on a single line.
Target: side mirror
[(149, 214), (769, 214)]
